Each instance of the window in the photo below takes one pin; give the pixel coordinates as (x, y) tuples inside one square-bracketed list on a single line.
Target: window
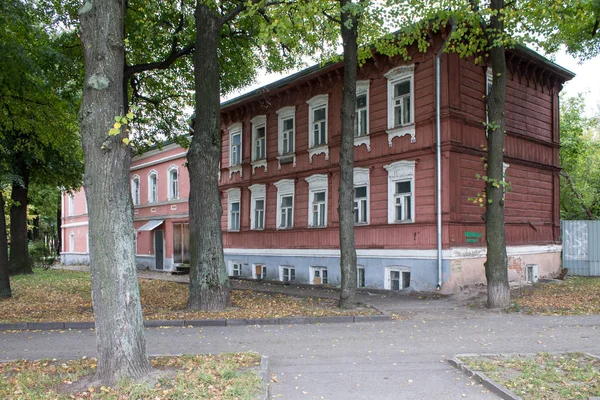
[(360, 276), (135, 190), (257, 212), (317, 126), (360, 205), (286, 117), (401, 103), (318, 275), (72, 242), (401, 183), (285, 203), (287, 273), (233, 207), (173, 175), (235, 145), (71, 204), (397, 278), (181, 243), (235, 268), (259, 138), (152, 187), (259, 271), (361, 127), (317, 200)]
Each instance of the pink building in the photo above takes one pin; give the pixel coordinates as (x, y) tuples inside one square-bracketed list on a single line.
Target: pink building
[(280, 176)]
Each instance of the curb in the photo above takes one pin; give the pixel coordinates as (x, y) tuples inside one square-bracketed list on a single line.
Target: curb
[(494, 387), (265, 375), (340, 319)]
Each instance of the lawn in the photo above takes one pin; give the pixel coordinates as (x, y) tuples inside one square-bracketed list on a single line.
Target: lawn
[(226, 376), (542, 376), (63, 296), (573, 296)]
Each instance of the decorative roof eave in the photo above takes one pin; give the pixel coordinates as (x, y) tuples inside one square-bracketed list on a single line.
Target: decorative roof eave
[(533, 66)]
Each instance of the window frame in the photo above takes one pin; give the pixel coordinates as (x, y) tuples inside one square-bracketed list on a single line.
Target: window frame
[(284, 114), (233, 197), (236, 129), (257, 192), (170, 192), (71, 204), (135, 196), (400, 171), (312, 272), (152, 188), (315, 103), (401, 274), (316, 184), (364, 283), (362, 87), (290, 269), (395, 76), (260, 121), (362, 178), (285, 188), (232, 268), (263, 271)]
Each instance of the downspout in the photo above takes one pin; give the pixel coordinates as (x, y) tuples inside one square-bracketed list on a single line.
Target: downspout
[(438, 152)]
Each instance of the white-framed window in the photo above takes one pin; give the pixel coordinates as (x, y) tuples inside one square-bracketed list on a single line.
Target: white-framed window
[(135, 190), (361, 125), (287, 273), (72, 242), (361, 196), (233, 209), (397, 278), (401, 99), (401, 191), (360, 276), (235, 268), (259, 137), (317, 200), (257, 206), (173, 182), (235, 145), (259, 271), (285, 203), (318, 276), (317, 120), (71, 204), (286, 130), (152, 186)]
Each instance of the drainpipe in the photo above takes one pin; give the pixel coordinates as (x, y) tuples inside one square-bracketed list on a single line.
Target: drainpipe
[(438, 152)]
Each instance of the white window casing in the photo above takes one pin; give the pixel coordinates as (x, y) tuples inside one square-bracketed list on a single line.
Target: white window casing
[(235, 268), (285, 211), (135, 190), (318, 276), (401, 105), (259, 142), (361, 278), (318, 196), (234, 208), (401, 172), (235, 148), (71, 205), (361, 126), (258, 199), (318, 121), (259, 271), (287, 273), (152, 186), (286, 135), (362, 206), (396, 278), (173, 182)]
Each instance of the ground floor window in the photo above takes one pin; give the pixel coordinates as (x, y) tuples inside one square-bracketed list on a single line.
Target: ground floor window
[(235, 268), (318, 275), (397, 278), (181, 243), (287, 273), (360, 276), (259, 271)]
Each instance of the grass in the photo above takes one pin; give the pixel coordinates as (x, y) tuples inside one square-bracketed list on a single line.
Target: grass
[(62, 296), (543, 376), (573, 296), (225, 376)]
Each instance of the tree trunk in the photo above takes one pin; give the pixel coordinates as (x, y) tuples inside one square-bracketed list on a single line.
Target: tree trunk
[(20, 262), (115, 292), (209, 282), (5, 291), (57, 233), (349, 29), (35, 233), (496, 266)]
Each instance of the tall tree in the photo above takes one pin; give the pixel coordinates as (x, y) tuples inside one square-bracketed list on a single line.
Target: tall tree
[(5, 290), (115, 292)]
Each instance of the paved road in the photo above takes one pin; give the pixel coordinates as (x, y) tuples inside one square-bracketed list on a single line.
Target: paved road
[(384, 360)]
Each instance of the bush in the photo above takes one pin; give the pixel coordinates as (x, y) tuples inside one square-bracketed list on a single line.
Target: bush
[(41, 255)]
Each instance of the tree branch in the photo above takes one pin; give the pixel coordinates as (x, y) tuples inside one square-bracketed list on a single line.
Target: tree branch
[(595, 30), (164, 64), (587, 210)]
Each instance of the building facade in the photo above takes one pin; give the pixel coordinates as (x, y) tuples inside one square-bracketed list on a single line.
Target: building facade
[(280, 175)]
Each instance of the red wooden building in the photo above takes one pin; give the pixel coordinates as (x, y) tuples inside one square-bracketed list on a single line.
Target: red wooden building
[(280, 173)]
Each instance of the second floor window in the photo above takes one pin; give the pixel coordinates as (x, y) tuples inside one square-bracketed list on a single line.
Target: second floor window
[(287, 136), (259, 214), (71, 205), (135, 190), (236, 148), (401, 191), (360, 205), (318, 205), (317, 200), (152, 187), (259, 137), (234, 216), (317, 121), (285, 203), (287, 212), (402, 201), (173, 184), (361, 122), (401, 101)]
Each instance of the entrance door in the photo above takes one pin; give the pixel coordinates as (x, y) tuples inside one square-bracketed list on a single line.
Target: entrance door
[(158, 250)]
